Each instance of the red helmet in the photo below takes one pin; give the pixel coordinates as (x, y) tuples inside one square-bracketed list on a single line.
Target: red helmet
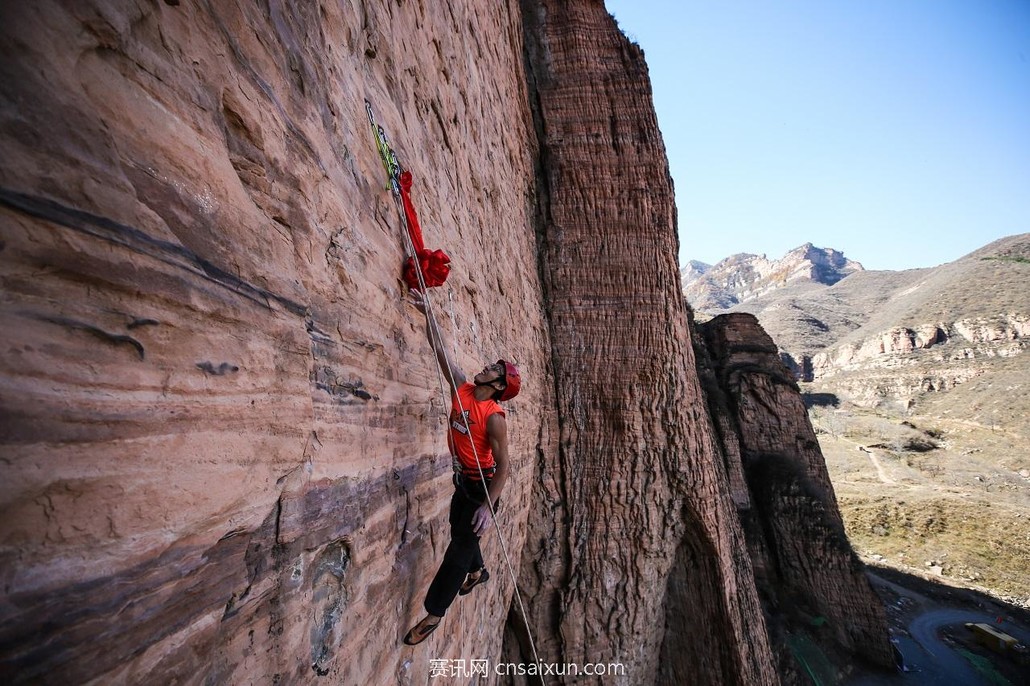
[(511, 379)]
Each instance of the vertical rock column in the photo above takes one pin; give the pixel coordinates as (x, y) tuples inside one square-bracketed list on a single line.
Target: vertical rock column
[(809, 576), (637, 556)]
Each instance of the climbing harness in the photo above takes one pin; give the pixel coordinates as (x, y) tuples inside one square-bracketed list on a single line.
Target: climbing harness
[(394, 171)]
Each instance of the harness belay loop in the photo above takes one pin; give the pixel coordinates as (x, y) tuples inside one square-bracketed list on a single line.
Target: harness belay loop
[(435, 264)]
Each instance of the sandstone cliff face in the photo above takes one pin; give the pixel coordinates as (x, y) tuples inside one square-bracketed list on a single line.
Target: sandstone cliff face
[(637, 553), (223, 455), (805, 567)]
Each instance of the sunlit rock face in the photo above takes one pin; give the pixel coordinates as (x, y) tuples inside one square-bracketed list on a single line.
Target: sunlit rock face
[(223, 434), (223, 431), (638, 555), (744, 277)]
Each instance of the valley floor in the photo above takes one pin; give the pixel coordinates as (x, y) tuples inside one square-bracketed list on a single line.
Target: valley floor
[(938, 506), (942, 498)]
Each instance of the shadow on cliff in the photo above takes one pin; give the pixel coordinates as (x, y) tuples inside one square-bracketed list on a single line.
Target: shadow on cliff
[(824, 619), (820, 400), (944, 594)]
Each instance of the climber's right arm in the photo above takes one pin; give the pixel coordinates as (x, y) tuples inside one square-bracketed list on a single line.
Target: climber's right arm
[(455, 377)]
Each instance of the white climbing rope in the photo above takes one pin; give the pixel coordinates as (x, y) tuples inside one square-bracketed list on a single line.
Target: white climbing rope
[(410, 247), (436, 337)]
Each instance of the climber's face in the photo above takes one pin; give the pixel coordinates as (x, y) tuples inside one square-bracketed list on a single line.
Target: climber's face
[(492, 373)]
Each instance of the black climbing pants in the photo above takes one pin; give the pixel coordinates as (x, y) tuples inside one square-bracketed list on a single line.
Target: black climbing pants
[(463, 555)]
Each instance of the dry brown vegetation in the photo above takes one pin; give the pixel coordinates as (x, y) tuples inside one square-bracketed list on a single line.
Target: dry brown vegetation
[(944, 497)]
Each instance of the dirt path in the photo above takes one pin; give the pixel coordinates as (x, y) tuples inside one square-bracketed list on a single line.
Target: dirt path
[(879, 467)]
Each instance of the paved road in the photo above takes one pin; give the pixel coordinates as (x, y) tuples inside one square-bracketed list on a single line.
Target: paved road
[(932, 661), (956, 668)]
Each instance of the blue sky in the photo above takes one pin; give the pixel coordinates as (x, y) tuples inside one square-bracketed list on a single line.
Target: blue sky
[(896, 131)]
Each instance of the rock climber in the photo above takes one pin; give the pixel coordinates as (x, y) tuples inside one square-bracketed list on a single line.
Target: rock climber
[(462, 568)]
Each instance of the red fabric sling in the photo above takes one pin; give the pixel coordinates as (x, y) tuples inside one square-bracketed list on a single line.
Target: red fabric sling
[(435, 264)]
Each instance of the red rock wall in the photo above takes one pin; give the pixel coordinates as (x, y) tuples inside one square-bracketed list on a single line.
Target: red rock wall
[(223, 455), (635, 554), (222, 429)]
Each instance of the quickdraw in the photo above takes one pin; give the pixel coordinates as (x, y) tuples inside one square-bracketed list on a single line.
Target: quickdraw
[(386, 153), (434, 264)]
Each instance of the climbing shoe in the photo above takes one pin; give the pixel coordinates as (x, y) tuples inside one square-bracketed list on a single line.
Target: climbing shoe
[(471, 583), (420, 632)]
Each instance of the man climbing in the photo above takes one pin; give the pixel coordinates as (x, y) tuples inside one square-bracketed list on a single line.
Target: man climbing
[(477, 433)]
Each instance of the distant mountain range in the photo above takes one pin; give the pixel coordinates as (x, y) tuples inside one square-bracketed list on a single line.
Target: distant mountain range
[(745, 277), (879, 335)]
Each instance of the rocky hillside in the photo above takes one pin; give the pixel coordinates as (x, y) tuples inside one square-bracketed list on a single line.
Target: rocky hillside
[(943, 327), (927, 419), (919, 388), (744, 277), (806, 323), (778, 474), (894, 335), (223, 435)]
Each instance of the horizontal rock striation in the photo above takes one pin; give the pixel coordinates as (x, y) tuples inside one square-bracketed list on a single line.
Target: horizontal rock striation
[(1004, 335), (222, 428), (903, 363), (635, 554), (222, 433)]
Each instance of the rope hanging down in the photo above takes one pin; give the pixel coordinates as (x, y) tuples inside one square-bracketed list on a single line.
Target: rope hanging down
[(433, 264), (393, 169)]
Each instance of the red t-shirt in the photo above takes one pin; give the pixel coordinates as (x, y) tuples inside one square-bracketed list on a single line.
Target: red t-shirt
[(477, 412)]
